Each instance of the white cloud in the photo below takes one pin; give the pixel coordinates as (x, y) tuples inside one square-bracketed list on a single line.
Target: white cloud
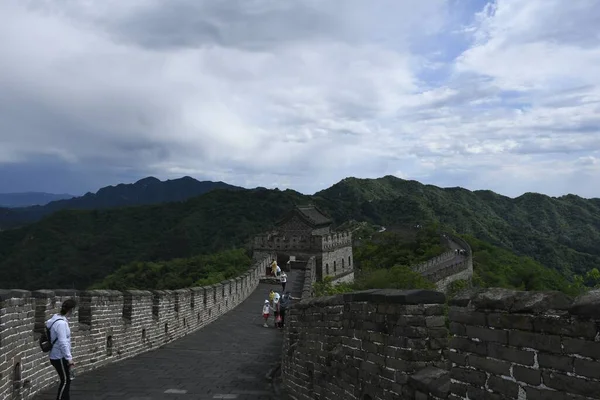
[(305, 93)]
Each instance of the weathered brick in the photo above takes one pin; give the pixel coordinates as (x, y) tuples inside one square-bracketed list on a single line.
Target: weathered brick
[(588, 368), (571, 384), (476, 378), (510, 354), (510, 321), (565, 326), (491, 365), (503, 386), (561, 363), (527, 375), (464, 316), (579, 346), (487, 335), (549, 343)]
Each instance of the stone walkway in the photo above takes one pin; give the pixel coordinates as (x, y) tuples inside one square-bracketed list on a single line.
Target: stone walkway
[(228, 359)]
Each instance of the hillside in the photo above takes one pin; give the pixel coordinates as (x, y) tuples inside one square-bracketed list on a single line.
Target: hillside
[(25, 199), (82, 247), (145, 191), (79, 248), (558, 232)]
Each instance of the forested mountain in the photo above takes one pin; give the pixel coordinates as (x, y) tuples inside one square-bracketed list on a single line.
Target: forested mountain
[(26, 199), (82, 247), (560, 232), (145, 191)]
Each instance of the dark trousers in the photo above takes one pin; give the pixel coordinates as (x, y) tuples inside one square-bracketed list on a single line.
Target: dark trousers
[(282, 313), (62, 367), (283, 286)]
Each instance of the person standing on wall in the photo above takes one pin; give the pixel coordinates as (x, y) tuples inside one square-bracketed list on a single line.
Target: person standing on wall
[(283, 280), (60, 355)]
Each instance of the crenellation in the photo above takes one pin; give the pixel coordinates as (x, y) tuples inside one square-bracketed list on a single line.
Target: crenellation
[(107, 326)]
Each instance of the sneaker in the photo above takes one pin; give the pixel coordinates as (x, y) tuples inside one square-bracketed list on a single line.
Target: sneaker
[(265, 325)]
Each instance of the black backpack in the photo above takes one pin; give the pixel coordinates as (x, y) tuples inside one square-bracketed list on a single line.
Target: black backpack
[(45, 343)]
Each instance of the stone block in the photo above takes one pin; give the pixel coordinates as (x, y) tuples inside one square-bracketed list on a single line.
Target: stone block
[(510, 321), (587, 305), (467, 317), (528, 375), (397, 296), (503, 386), (487, 335), (550, 343), (491, 365), (511, 354), (557, 362), (571, 384), (470, 376)]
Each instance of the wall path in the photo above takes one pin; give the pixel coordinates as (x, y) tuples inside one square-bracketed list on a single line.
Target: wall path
[(228, 359), (111, 326)]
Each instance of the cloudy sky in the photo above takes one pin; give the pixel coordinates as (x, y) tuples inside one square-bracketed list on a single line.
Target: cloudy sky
[(501, 95)]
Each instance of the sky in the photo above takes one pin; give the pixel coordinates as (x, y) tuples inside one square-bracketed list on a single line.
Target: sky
[(501, 95)]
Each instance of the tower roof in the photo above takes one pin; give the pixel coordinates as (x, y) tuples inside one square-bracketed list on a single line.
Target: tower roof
[(312, 215)]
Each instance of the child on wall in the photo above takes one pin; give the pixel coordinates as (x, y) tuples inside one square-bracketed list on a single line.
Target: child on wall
[(266, 312)]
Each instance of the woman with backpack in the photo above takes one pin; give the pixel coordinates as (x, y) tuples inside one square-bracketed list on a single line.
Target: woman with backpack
[(60, 347)]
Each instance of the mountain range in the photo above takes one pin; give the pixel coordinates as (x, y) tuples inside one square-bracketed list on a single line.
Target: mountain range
[(80, 247), (145, 191), (26, 199)]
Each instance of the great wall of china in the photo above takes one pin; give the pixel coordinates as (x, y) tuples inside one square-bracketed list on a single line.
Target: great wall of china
[(376, 344), (483, 344), (107, 326)]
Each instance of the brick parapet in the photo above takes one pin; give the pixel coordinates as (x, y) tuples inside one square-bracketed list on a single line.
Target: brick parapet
[(535, 345), (449, 266), (363, 343), (275, 241), (107, 326)]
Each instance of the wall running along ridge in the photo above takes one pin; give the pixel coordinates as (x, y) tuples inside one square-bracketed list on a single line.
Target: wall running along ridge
[(449, 266), (390, 344), (107, 326)]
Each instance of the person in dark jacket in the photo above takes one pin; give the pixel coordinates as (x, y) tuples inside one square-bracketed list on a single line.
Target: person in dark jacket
[(284, 304)]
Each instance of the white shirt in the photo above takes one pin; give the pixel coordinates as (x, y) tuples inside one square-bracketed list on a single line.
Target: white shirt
[(61, 332), (266, 309), (283, 278)]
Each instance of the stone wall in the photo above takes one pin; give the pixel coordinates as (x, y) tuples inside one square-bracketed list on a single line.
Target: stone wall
[(391, 344), (526, 345), (310, 277), (107, 326), (302, 242), (337, 261), (363, 345), (434, 262), (450, 266), (444, 276)]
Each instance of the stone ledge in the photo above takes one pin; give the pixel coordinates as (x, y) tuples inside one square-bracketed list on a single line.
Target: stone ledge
[(534, 302), (431, 380), (395, 296), (380, 296), (6, 294)]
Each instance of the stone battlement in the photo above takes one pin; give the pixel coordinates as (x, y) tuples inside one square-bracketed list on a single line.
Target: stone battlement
[(448, 266), (107, 326), (304, 243), (501, 344)]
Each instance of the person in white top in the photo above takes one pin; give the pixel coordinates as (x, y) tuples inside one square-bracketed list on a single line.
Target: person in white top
[(283, 280), (60, 354), (266, 312), (277, 270)]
